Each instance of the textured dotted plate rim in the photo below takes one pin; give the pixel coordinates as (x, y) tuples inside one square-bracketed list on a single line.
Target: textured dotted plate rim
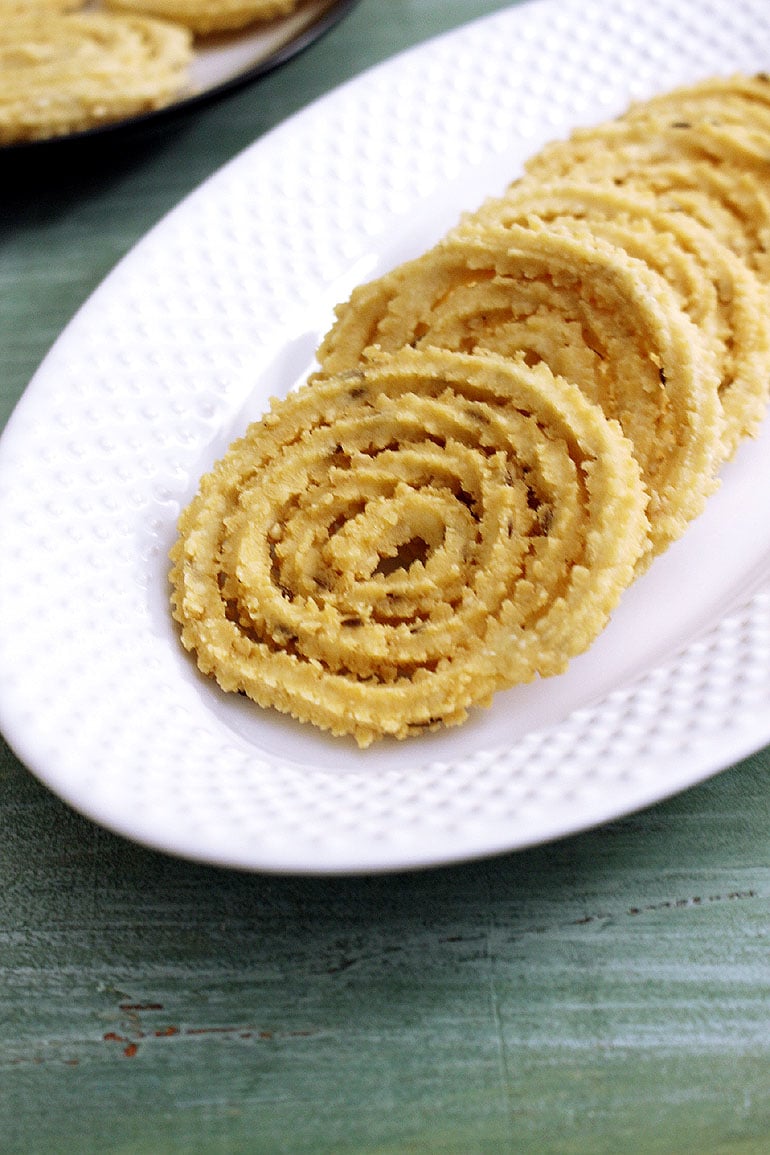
[(223, 304)]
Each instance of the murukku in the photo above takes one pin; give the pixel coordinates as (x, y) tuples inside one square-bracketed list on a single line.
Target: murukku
[(726, 301), (730, 199), (593, 314), (501, 434), (67, 73), (710, 92), (13, 9), (391, 546), (208, 16), (729, 117)]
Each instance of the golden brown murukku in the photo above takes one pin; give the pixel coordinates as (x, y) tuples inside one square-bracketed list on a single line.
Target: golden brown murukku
[(66, 73), (207, 16), (13, 9), (727, 302), (729, 117), (723, 135), (390, 546), (710, 92), (502, 433), (730, 199), (596, 316)]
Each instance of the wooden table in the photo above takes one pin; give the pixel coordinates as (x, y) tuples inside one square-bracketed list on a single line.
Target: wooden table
[(608, 993)]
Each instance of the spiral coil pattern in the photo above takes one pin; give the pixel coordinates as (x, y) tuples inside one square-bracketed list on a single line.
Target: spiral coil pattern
[(593, 314), (723, 297), (503, 432), (393, 544), (64, 73)]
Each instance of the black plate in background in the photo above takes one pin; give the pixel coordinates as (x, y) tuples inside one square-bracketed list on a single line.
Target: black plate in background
[(330, 13)]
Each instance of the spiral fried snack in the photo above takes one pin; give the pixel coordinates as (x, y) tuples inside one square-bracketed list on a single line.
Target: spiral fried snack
[(708, 96), (729, 116), (596, 316), (66, 73), (13, 9), (392, 545), (207, 16), (727, 302), (673, 164)]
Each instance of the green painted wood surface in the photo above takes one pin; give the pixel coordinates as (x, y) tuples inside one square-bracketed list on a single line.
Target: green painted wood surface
[(609, 993)]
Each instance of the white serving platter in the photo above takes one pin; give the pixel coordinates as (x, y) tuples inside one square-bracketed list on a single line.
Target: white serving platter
[(221, 306)]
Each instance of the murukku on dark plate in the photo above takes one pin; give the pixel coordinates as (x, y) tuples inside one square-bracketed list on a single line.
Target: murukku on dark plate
[(62, 73), (206, 17)]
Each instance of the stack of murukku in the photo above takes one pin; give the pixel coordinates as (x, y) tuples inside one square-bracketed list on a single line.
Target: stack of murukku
[(503, 433), (394, 543), (64, 69)]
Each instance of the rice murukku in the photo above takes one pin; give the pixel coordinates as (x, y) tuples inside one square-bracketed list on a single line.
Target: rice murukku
[(390, 546), (14, 9), (501, 434), (67, 73), (204, 17), (710, 92), (725, 135), (729, 115), (730, 199), (727, 302), (593, 314)]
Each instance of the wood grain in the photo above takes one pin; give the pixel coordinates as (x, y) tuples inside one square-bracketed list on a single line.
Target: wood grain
[(608, 992)]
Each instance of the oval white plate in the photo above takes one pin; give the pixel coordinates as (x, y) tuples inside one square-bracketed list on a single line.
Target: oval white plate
[(222, 305)]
